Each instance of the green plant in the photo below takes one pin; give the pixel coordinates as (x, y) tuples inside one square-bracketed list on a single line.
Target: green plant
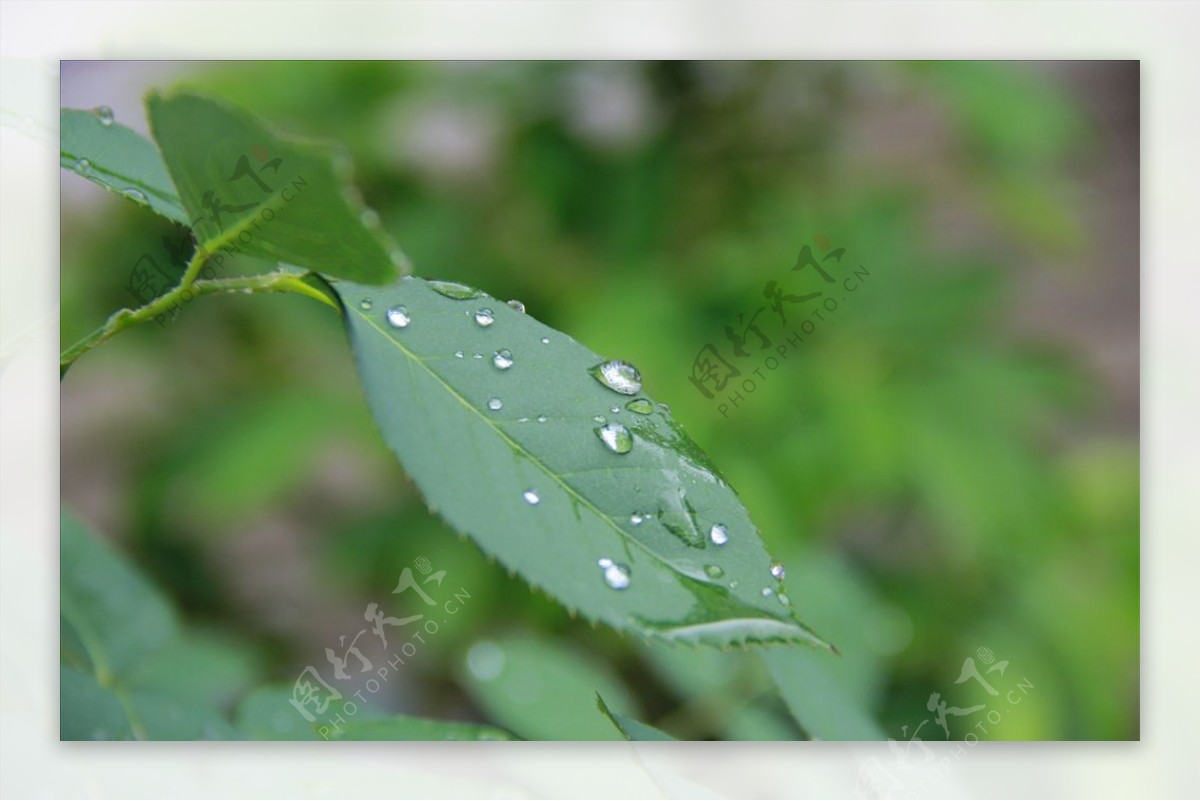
[(547, 455)]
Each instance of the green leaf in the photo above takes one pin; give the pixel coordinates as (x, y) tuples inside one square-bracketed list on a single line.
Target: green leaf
[(122, 675), (267, 714), (270, 197), (630, 729), (481, 468), (542, 690), (818, 701), (119, 159), (113, 618)]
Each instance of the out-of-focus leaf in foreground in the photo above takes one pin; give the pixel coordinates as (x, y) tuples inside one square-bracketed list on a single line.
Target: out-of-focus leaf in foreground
[(113, 623), (267, 714)]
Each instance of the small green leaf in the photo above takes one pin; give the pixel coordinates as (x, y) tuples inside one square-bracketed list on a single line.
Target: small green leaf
[(542, 690), (267, 714), (630, 729), (270, 197), (119, 159), (516, 457)]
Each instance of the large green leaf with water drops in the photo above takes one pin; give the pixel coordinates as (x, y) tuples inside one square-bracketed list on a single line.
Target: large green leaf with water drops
[(94, 146), (497, 418), (270, 197)]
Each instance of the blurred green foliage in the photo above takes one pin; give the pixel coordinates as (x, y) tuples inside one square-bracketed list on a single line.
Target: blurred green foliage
[(935, 483)]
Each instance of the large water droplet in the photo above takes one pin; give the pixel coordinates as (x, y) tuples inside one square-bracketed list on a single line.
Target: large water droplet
[(503, 359), (718, 534), (640, 405), (531, 497), (495, 404), (615, 575), (615, 437), (619, 376), (713, 571), (104, 114), (83, 165), (777, 571), (397, 317), (453, 290), (485, 317), (365, 304), (517, 306), (137, 196)]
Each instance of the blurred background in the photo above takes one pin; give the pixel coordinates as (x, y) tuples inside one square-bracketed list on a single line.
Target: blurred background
[(948, 463)]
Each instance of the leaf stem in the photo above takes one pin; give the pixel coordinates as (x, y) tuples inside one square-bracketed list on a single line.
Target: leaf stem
[(188, 289)]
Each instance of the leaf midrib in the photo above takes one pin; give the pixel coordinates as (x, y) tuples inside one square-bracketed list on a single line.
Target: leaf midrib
[(571, 491)]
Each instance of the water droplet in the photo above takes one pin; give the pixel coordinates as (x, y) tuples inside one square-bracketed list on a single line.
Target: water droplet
[(517, 306), (598, 419), (503, 359), (458, 354), (83, 165), (637, 519), (664, 408), (453, 290), (640, 405), (718, 534), (397, 317), (783, 599), (531, 498), (713, 571), (369, 218), (485, 660), (365, 304), (485, 317), (777, 571), (495, 404), (615, 575), (733, 585), (618, 376), (137, 196), (477, 356), (104, 114), (767, 592), (541, 418), (545, 340), (615, 437), (615, 410)]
